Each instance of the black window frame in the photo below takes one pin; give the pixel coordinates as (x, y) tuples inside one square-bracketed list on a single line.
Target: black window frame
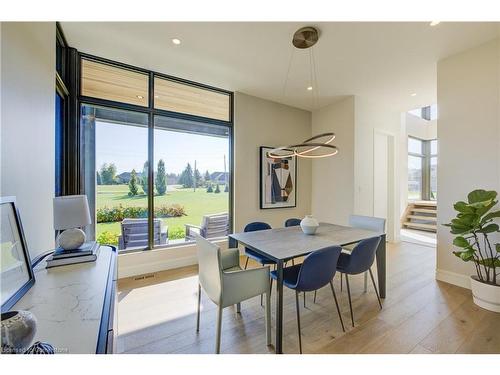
[(79, 176)]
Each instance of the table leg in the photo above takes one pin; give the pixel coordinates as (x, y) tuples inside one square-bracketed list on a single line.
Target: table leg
[(279, 308), (232, 243), (381, 266)]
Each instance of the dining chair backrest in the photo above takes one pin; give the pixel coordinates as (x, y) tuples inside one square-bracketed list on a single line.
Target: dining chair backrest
[(362, 256), (376, 224), (209, 268), (292, 222), (256, 226), (318, 269)]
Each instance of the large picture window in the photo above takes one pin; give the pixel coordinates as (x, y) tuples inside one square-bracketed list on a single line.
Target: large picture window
[(154, 176), (422, 169)]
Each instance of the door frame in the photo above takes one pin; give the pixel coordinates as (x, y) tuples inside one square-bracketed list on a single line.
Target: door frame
[(392, 223)]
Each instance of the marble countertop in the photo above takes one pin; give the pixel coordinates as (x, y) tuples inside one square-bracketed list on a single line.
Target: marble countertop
[(67, 302)]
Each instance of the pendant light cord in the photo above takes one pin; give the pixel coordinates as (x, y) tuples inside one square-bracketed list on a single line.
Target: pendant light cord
[(288, 72), (316, 85)]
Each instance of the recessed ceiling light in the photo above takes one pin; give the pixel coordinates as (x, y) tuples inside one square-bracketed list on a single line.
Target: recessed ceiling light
[(140, 97), (434, 23), (176, 41), (309, 88), (414, 94)]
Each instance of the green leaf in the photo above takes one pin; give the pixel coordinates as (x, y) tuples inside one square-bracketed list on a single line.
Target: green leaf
[(490, 228), (497, 246), (481, 195), (484, 209), (463, 207), (466, 256), (461, 242), (490, 216), (490, 262)]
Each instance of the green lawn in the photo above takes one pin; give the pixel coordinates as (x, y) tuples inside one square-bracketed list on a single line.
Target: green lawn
[(196, 204)]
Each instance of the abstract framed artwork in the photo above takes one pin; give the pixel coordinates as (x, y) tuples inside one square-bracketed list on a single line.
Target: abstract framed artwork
[(278, 180)]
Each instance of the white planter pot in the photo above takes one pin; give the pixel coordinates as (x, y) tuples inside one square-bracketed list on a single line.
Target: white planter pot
[(485, 295), (309, 224)]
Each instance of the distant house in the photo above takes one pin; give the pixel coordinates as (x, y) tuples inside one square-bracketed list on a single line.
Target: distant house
[(219, 177), (124, 178)]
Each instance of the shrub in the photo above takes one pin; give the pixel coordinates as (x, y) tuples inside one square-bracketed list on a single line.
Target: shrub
[(210, 189), (176, 233), (217, 189), (226, 189), (108, 238), (113, 214)]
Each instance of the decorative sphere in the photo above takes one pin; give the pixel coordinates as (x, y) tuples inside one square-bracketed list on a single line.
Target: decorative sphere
[(71, 239), (18, 330), (309, 225)]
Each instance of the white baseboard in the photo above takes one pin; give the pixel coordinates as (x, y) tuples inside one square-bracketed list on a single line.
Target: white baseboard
[(144, 262), (454, 278)]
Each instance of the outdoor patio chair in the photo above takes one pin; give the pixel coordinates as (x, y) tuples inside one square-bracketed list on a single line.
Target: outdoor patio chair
[(135, 233), (212, 226)]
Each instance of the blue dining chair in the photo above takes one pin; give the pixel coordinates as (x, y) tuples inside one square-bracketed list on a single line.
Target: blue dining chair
[(376, 224), (292, 222), (359, 260), (316, 271), (253, 227)]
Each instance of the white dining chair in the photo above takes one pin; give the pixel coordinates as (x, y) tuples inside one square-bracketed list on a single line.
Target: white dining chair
[(226, 284)]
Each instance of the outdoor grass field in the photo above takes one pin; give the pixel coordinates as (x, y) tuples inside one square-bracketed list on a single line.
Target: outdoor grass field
[(196, 204)]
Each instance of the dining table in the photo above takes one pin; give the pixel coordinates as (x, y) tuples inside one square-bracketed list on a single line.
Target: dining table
[(284, 244)]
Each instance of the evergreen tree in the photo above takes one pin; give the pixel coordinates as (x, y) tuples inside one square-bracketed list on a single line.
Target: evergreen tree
[(132, 184), (145, 177), (98, 178), (197, 178), (209, 188), (161, 178), (226, 189), (207, 178), (217, 189), (186, 177)]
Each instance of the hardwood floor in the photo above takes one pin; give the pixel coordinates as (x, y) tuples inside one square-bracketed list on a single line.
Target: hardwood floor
[(419, 315)]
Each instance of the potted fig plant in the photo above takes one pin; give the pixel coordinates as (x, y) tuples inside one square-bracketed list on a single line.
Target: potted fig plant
[(475, 232)]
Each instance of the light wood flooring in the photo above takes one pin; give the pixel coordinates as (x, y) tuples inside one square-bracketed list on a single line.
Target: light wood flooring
[(419, 315)]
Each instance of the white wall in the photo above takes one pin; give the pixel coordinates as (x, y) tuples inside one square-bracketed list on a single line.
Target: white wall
[(260, 122), (27, 126), (469, 143), (333, 177), (420, 128), (374, 116), (257, 122)]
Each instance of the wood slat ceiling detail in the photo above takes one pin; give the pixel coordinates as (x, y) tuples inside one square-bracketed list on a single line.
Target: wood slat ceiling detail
[(182, 98), (112, 83)]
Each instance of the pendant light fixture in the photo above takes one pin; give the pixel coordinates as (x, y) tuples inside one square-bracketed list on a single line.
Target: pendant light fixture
[(319, 145)]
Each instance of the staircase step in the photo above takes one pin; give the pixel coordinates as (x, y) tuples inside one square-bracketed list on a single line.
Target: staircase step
[(423, 210), (431, 227), (421, 217), (424, 203)]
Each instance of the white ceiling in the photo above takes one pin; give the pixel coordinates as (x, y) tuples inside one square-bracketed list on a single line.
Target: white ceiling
[(388, 61)]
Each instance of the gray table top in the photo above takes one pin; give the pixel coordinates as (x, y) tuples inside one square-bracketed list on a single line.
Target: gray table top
[(286, 243)]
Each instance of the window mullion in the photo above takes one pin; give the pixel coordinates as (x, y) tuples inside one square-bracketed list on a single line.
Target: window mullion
[(151, 164)]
